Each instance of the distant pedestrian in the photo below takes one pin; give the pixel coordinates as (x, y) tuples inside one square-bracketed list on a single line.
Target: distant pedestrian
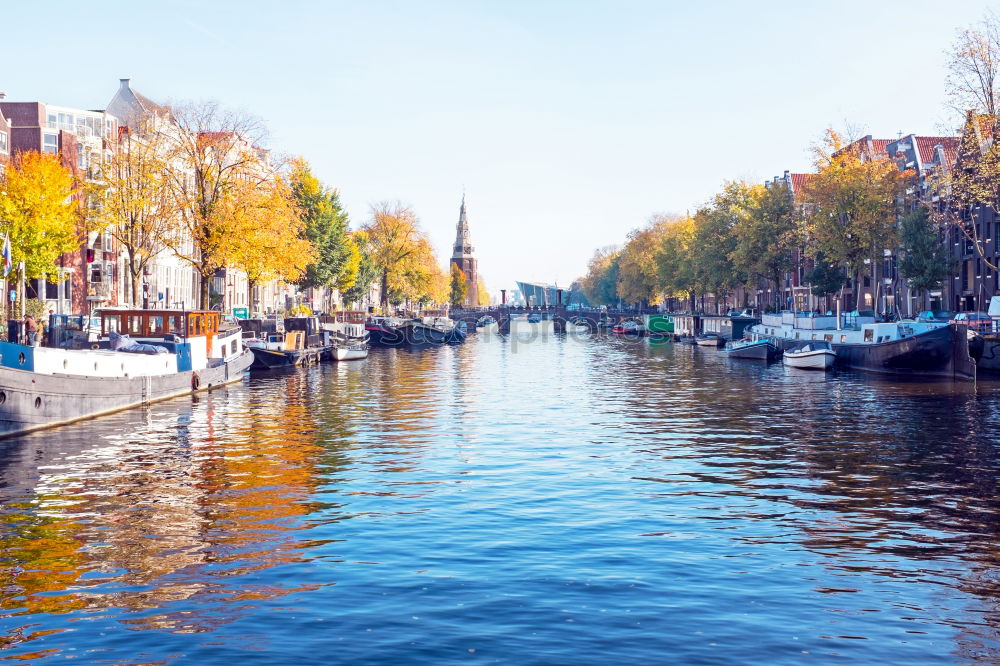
[(30, 330)]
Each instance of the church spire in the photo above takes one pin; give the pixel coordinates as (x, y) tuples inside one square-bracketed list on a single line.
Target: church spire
[(463, 241)]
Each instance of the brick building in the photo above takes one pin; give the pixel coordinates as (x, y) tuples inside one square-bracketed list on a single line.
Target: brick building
[(82, 140)]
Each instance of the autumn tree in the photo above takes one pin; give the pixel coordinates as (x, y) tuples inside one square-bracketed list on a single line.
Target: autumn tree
[(482, 294), (767, 236), (38, 212), (261, 232), (600, 284), (674, 260), (973, 78), (214, 153), (854, 196), (716, 229), (972, 86), (326, 228), (135, 201), (638, 273), (459, 286), (367, 271), (400, 251)]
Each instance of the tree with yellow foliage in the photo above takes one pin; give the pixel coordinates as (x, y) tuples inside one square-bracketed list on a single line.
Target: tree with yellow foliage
[(38, 212), (401, 253), (459, 286), (264, 235), (482, 294), (214, 152), (854, 196), (135, 203)]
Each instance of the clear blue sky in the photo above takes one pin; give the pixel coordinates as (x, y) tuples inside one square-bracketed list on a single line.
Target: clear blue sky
[(567, 123)]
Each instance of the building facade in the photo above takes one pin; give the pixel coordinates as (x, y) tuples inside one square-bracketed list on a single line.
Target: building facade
[(82, 140)]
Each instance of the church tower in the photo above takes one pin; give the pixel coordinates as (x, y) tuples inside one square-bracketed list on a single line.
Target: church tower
[(462, 257)]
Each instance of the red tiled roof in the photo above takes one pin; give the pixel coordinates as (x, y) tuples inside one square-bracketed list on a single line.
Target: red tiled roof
[(926, 145), (879, 146), (799, 181)]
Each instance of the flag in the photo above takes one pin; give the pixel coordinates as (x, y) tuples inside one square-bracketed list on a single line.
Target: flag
[(7, 260)]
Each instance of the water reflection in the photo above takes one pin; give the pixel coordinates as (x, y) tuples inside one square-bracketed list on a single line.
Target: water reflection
[(480, 497)]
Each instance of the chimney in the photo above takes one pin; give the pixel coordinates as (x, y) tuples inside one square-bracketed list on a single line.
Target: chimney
[(125, 83)]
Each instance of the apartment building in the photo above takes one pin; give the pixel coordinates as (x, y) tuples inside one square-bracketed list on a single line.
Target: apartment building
[(82, 139)]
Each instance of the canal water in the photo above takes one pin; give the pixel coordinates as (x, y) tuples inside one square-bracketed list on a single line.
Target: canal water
[(535, 500)]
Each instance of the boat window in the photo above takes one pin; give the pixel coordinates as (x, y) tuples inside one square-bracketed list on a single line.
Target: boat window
[(814, 336), (829, 337), (134, 325), (869, 335), (174, 324), (110, 323), (843, 338), (796, 335)]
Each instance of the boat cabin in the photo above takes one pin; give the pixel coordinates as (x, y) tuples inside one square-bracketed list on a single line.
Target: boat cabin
[(730, 326), (176, 326), (687, 325)]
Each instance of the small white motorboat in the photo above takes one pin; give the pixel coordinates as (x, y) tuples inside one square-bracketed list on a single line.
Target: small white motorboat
[(349, 352), (813, 356)]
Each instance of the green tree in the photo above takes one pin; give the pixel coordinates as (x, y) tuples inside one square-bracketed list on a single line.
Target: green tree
[(325, 226), (924, 260), (601, 282), (674, 260), (716, 228), (767, 237), (825, 277), (459, 286), (367, 271)]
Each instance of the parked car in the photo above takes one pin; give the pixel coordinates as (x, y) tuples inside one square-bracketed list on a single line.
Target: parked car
[(936, 316), (976, 321)]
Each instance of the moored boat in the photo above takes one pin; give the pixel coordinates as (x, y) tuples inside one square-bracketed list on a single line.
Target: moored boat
[(910, 348), (630, 327), (160, 354), (709, 340), (760, 350), (811, 356)]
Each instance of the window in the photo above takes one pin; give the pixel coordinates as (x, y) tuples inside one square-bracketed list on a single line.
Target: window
[(50, 143), (4, 146), (829, 337), (869, 335), (53, 121)]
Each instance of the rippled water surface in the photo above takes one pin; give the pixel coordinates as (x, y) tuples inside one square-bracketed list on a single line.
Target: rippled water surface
[(520, 501)]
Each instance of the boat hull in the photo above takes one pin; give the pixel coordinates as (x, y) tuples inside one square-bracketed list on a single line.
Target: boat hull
[(819, 359), (709, 342), (269, 359), (758, 351), (942, 352), (348, 353), (33, 401)]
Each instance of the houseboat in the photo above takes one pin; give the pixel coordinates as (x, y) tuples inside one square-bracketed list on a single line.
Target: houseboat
[(687, 327), (914, 348), (178, 352), (730, 326)]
